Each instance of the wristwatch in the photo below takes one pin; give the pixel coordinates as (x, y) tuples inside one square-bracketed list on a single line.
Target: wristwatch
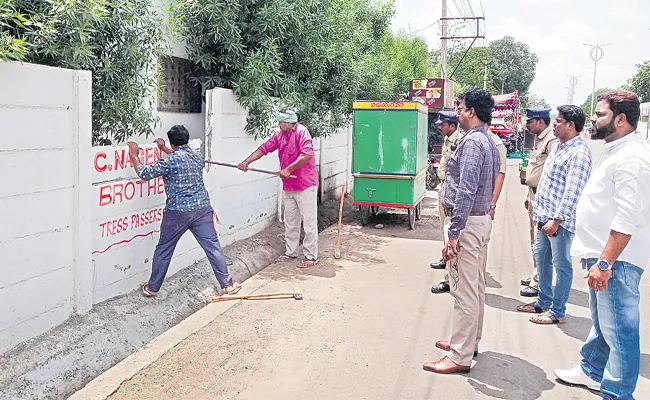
[(493, 207), (604, 265)]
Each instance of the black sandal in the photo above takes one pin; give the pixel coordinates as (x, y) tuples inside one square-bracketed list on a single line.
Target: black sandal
[(534, 310)]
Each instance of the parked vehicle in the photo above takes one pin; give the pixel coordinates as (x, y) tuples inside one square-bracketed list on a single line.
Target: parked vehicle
[(501, 130), (433, 180)]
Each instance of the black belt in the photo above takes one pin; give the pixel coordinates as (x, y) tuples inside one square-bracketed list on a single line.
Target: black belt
[(449, 212)]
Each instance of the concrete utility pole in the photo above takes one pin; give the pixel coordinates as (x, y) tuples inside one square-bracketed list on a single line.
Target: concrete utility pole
[(596, 53), (443, 44)]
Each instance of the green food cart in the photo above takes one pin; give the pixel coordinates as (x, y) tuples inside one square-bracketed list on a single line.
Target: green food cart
[(389, 156)]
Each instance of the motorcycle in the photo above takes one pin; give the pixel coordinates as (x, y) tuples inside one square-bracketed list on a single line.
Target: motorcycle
[(433, 180), (512, 141)]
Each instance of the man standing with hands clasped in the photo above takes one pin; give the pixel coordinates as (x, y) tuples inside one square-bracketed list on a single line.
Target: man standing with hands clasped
[(296, 152), (471, 173), (565, 176), (613, 243)]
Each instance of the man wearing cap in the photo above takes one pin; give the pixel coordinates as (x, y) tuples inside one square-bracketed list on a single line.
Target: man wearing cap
[(448, 124), (539, 124), (296, 153)]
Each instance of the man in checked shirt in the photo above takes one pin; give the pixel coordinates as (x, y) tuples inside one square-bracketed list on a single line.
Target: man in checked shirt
[(471, 173), (188, 208), (564, 177)]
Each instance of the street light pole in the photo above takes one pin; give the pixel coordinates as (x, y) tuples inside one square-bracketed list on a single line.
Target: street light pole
[(596, 53), (573, 81)]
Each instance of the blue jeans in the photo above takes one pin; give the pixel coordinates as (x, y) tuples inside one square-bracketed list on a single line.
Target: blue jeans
[(612, 353), (550, 252), (174, 225)]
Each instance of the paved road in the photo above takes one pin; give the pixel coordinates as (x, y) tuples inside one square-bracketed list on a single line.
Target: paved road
[(368, 322)]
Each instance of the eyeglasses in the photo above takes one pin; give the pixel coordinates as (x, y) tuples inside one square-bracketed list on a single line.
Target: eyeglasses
[(460, 109)]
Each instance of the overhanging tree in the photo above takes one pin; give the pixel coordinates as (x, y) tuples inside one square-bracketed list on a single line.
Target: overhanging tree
[(640, 82), (516, 61), (119, 41)]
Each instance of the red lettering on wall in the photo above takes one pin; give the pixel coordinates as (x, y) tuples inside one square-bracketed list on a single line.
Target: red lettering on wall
[(105, 197), (119, 192), (100, 168), (120, 159), (148, 156), (129, 186)]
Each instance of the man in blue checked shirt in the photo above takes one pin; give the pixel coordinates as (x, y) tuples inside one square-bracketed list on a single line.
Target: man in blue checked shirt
[(188, 208), (565, 175)]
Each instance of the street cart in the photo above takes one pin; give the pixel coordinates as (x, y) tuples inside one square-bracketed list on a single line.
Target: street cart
[(389, 156)]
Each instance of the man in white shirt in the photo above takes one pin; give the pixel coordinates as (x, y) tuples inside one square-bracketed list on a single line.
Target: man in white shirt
[(612, 241)]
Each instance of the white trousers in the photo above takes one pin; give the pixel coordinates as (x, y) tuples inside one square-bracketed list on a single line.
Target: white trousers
[(301, 207)]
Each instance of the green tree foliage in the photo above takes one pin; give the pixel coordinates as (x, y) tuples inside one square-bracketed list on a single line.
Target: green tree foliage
[(586, 106), (640, 82), (385, 72), (119, 41), (471, 70), (514, 65), (314, 55), (531, 100)]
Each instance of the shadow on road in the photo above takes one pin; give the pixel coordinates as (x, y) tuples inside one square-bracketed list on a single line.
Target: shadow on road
[(502, 376), (645, 365), (491, 282), (501, 302), (579, 298), (577, 327)]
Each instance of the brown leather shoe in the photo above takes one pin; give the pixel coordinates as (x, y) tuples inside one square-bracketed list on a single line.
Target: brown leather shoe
[(444, 345), (445, 366)]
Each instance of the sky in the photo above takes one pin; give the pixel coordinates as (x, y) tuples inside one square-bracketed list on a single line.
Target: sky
[(556, 31)]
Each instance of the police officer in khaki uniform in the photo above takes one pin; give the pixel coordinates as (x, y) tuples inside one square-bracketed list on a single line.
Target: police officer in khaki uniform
[(539, 124), (448, 124)]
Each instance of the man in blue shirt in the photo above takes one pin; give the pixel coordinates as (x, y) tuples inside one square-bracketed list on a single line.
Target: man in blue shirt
[(564, 177), (188, 208)]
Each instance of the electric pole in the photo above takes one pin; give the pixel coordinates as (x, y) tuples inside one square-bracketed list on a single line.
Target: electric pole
[(443, 44)]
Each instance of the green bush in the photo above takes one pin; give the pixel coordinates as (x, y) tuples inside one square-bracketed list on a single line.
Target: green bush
[(119, 41)]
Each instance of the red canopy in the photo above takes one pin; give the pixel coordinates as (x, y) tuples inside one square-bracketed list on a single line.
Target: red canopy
[(508, 101)]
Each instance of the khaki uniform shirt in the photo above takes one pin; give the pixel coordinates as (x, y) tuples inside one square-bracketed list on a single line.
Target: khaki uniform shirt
[(451, 140), (537, 158), (503, 151)]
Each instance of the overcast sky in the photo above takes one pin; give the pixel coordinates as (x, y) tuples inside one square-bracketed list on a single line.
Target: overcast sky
[(556, 31)]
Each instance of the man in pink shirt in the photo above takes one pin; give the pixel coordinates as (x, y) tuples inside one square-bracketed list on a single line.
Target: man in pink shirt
[(296, 152)]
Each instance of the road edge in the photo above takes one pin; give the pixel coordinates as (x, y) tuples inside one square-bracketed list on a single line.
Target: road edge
[(110, 381)]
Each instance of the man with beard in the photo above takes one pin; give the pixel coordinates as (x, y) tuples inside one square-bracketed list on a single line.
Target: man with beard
[(539, 124), (612, 237), (469, 186)]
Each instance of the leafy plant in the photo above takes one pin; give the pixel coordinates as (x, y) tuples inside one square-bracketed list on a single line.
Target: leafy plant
[(314, 55), (119, 41)]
